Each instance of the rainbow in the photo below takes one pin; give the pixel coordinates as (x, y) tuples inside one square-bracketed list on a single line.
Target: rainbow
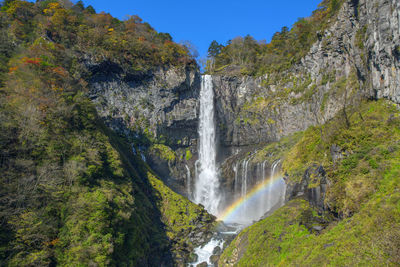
[(255, 192)]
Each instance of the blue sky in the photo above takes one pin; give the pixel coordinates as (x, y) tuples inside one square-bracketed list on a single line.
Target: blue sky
[(203, 21)]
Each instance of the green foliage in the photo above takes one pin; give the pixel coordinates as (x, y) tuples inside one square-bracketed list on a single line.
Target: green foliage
[(130, 43), (214, 49), (363, 191), (164, 152), (246, 56), (188, 155), (360, 37), (180, 215), (362, 145)]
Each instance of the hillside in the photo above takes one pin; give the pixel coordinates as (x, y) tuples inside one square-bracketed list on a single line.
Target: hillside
[(72, 191), (356, 222)]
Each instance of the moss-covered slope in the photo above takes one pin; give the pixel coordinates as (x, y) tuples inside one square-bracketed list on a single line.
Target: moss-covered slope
[(363, 190)]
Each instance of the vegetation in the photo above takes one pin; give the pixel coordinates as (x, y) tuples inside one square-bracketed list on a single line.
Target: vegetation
[(131, 43), (163, 152), (180, 216), (363, 190), (71, 191), (246, 56)]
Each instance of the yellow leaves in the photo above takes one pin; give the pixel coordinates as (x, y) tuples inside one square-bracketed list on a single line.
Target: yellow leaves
[(57, 89), (51, 7), (110, 30), (33, 90)]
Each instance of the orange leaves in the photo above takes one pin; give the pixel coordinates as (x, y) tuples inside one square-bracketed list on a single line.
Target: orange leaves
[(60, 71), (52, 243), (35, 60), (142, 39), (56, 89), (12, 69)]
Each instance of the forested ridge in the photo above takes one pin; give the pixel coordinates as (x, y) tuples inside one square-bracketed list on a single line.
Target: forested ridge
[(247, 56)]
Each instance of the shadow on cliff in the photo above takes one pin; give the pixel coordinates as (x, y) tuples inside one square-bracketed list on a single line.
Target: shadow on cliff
[(144, 231)]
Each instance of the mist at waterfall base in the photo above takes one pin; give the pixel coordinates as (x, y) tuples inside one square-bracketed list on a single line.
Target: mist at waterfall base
[(253, 196), (262, 198)]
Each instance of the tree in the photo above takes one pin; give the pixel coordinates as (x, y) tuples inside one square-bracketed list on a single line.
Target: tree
[(79, 5), (191, 48), (89, 9), (164, 37), (214, 49)]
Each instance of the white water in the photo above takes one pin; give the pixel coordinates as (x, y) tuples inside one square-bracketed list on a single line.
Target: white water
[(270, 200), (204, 253), (188, 182), (258, 205), (207, 184)]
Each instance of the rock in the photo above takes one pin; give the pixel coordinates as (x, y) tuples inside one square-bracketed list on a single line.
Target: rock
[(329, 245), (336, 153), (163, 102), (214, 259), (246, 117), (217, 251), (313, 187), (203, 264), (317, 228)]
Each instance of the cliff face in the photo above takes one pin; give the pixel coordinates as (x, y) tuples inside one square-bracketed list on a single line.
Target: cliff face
[(357, 57), (159, 106)]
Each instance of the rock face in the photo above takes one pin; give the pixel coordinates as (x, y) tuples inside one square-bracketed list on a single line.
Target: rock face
[(312, 187), (155, 106), (363, 45), (357, 57)]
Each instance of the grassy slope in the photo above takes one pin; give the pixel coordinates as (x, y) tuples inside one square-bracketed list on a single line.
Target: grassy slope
[(364, 190)]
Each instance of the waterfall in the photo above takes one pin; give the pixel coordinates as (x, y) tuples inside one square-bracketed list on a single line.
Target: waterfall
[(263, 199), (270, 194), (244, 177), (235, 170), (189, 182), (207, 184)]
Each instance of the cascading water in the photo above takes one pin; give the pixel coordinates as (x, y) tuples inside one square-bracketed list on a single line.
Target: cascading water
[(207, 184), (235, 170), (270, 200), (189, 182), (257, 194)]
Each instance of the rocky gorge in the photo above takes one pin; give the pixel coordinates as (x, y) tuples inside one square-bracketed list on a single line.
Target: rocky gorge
[(118, 149), (357, 57)]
